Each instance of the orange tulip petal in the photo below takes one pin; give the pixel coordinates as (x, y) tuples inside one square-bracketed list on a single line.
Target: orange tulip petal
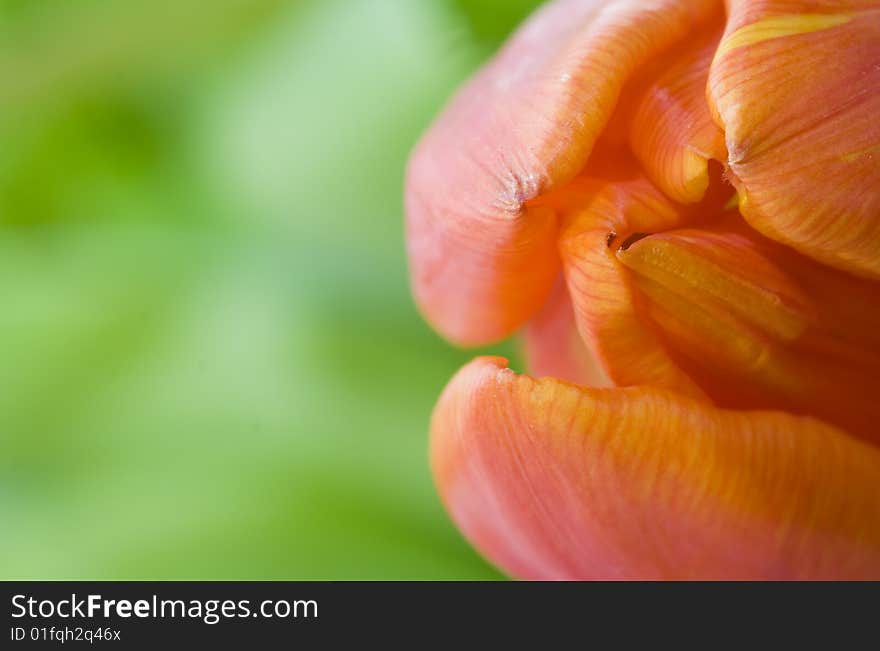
[(482, 262), (794, 85), (605, 302), (554, 481), (758, 325), (672, 132), (553, 345)]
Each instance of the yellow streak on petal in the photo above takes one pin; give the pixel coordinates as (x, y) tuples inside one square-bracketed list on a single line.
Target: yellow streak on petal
[(779, 26), (855, 155), (694, 172), (720, 279), (733, 202)]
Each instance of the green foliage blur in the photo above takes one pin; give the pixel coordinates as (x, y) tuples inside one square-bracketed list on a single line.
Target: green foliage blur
[(211, 366)]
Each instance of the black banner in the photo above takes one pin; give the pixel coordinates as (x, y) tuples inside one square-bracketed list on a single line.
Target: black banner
[(181, 614)]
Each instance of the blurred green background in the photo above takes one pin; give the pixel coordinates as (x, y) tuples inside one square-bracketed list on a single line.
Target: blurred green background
[(211, 367)]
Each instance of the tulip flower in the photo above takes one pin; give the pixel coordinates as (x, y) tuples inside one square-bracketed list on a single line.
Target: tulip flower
[(677, 203)]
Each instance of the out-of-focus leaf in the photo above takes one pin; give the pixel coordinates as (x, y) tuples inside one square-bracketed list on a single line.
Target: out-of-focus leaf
[(212, 367), (492, 20)]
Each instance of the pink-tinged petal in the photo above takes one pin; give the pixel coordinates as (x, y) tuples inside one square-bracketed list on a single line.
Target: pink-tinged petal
[(553, 345), (672, 131), (760, 326), (606, 216), (554, 481), (796, 88), (482, 258)]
